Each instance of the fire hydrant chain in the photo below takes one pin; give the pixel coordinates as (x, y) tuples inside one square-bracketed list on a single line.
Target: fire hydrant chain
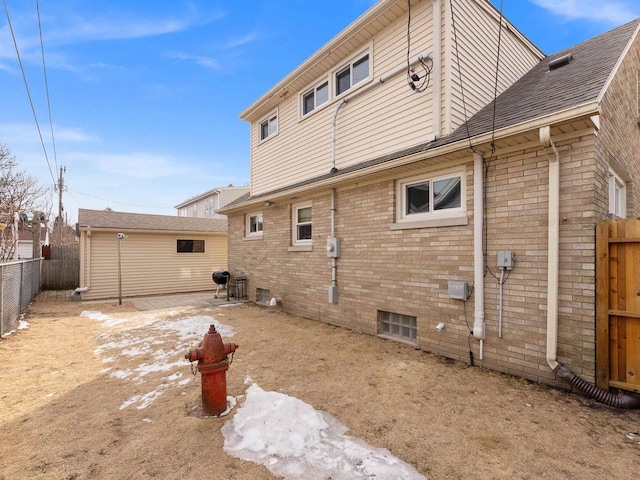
[(194, 368)]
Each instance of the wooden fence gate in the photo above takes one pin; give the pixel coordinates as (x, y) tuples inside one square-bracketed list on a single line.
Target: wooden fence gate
[(62, 270), (618, 304)]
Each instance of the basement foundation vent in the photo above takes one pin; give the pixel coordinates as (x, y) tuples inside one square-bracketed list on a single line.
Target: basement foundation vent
[(263, 296), (397, 325)]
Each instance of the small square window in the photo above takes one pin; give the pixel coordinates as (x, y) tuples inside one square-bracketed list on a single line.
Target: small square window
[(269, 127), (315, 97), (254, 225), (355, 72)]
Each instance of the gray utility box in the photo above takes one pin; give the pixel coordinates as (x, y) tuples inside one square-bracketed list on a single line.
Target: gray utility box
[(458, 290)]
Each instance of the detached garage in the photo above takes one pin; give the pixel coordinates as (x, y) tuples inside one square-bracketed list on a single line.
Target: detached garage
[(158, 254)]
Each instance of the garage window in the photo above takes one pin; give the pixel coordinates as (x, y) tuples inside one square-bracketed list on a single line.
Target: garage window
[(190, 246)]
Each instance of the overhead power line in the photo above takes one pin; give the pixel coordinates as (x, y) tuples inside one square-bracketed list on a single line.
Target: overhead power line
[(46, 86), (26, 85)]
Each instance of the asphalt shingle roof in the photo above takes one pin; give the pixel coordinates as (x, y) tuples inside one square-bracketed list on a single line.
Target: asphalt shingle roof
[(141, 221), (538, 93)]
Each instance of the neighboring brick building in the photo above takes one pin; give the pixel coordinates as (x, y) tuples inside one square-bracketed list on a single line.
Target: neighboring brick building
[(424, 217)]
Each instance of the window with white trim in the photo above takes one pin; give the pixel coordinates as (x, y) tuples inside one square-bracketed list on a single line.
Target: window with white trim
[(431, 196), (353, 73), (269, 127), (315, 97), (617, 195), (302, 223), (254, 224)]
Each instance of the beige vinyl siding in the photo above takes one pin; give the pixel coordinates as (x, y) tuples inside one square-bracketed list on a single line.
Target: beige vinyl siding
[(477, 30), (150, 264), (387, 118)]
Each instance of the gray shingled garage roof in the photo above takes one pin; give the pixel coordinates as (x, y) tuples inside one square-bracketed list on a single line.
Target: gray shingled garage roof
[(103, 219)]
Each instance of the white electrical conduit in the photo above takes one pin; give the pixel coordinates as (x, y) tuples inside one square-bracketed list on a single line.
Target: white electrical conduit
[(478, 254), (553, 248), (333, 234), (500, 304), (362, 91)]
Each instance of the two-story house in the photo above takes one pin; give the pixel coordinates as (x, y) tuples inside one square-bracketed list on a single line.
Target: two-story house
[(206, 204), (392, 195)]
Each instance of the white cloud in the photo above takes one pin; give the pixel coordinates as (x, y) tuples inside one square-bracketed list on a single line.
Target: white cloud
[(607, 11), (241, 41), (15, 134), (206, 62)]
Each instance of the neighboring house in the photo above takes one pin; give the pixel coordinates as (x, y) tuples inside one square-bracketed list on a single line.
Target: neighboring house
[(159, 254), (24, 248), (380, 209), (206, 204)]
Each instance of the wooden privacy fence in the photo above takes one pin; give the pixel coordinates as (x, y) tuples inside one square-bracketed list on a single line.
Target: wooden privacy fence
[(618, 304), (62, 271)]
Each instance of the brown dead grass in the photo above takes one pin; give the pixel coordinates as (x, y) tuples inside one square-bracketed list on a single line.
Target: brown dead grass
[(60, 412)]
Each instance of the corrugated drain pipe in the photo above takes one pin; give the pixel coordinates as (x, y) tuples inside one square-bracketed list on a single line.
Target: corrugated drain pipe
[(622, 400)]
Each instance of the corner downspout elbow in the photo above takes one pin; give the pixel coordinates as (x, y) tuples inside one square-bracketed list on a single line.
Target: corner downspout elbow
[(81, 289)]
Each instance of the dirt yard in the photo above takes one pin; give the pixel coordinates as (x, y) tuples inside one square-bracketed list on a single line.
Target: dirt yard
[(88, 399)]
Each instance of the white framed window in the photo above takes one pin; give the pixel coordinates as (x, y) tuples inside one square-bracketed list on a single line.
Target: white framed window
[(302, 223), (209, 207), (183, 212), (431, 196), (254, 224), (357, 71), (195, 210), (315, 97), (268, 127), (617, 195)]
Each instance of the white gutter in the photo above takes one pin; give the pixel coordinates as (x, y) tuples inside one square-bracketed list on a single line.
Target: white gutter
[(478, 254), (553, 248), (463, 144), (436, 71), (362, 91)]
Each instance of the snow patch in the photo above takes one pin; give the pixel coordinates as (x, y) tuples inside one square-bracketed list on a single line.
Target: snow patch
[(295, 441)]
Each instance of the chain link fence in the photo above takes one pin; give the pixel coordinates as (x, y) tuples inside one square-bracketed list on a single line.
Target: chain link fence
[(20, 280)]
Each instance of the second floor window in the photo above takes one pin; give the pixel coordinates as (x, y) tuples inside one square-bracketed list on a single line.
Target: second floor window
[(314, 98), (352, 74), (209, 208), (269, 127)]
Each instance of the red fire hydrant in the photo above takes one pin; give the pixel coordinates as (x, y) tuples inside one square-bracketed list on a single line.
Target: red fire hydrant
[(212, 365)]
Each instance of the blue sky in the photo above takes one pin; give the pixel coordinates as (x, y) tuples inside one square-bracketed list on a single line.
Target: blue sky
[(145, 94)]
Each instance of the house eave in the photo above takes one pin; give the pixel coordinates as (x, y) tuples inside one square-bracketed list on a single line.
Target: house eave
[(344, 35), (481, 141), (146, 230)]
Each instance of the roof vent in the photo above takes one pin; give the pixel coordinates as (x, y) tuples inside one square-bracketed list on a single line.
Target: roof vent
[(560, 61)]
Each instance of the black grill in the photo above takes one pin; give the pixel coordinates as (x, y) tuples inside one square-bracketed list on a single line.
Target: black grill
[(221, 277)]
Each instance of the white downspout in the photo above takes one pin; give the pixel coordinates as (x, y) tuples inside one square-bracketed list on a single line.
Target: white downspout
[(478, 254), (553, 248), (85, 270), (436, 70)]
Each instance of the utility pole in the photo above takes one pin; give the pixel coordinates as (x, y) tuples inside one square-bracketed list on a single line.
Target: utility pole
[(60, 190)]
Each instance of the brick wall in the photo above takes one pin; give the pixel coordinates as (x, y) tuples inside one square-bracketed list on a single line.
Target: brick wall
[(407, 271)]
